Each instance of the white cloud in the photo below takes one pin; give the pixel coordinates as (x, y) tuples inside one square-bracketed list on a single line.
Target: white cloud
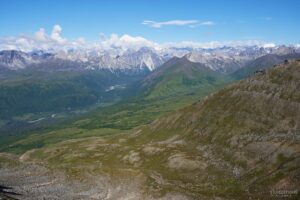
[(56, 34), (204, 23), (81, 40), (40, 40), (127, 42), (155, 24), (53, 42), (190, 23), (269, 45), (207, 23), (41, 35)]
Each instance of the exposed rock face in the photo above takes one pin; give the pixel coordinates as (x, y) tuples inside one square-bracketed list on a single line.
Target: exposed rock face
[(133, 158), (129, 61), (180, 162), (219, 61), (151, 150), (31, 181)]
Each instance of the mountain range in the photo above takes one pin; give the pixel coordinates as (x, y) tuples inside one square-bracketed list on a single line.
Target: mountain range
[(224, 59), (36, 85)]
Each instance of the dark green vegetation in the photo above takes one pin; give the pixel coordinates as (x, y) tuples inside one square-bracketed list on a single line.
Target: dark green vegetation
[(241, 142), (31, 100), (248, 135), (174, 85), (36, 91)]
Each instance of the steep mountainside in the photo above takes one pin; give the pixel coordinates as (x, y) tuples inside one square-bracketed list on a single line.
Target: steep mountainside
[(239, 143), (32, 91), (31, 99), (261, 63), (175, 84), (247, 136), (180, 75)]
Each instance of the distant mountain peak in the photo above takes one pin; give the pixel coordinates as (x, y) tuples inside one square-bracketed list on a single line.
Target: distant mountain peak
[(224, 59)]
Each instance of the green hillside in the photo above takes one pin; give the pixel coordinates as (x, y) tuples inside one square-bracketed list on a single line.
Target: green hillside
[(241, 142), (179, 77), (245, 135), (31, 92), (174, 85)]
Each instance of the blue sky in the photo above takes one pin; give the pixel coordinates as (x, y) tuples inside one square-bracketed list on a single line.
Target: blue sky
[(215, 20)]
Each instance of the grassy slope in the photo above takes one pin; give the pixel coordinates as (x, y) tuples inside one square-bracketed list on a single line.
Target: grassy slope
[(248, 133), (174, 85), (239, 143)]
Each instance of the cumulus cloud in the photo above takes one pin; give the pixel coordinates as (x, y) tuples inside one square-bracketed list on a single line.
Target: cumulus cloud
[(126, 42), (155, 24), (56, 34), (81, 40), (41, 35), (40, 40), (269, 45)]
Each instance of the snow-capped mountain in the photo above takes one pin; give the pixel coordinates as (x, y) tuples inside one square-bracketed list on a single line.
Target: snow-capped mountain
[(17, 59), (144, 58), (229, 59), (218, 61), (224, 59)]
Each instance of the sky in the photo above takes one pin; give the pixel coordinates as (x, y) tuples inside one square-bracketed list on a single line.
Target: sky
[(156, 21)]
